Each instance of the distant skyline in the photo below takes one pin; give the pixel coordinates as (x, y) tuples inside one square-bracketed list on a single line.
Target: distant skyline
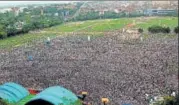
[(13, 3)]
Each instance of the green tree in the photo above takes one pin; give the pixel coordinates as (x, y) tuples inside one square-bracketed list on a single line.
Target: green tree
[(11, 31), (3, 33), (176, 29)]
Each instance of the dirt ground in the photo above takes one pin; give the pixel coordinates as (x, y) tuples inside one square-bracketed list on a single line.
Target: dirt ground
[(105, 67)]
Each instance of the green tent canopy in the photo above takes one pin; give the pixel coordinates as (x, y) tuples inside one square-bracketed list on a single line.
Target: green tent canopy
[(55, 95), (12, 92)]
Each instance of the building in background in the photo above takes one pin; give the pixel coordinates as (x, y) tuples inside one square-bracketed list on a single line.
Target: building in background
[(16, 10), (4, 10), (151, 12)]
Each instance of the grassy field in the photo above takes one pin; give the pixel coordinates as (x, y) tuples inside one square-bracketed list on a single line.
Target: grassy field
[(19, 40), (91, 25), (114, 24), (162, 21), (88, 26)]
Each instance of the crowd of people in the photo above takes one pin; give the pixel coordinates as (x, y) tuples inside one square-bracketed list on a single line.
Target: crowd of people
[(106, 66)]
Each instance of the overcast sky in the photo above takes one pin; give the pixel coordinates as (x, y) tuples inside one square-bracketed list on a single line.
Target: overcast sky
[(6, 3)]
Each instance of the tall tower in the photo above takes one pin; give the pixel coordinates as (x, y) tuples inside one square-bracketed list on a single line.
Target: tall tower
[(41, 11)]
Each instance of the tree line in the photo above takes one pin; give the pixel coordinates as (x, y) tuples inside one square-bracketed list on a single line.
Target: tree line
[(107, 15), (32, 19)]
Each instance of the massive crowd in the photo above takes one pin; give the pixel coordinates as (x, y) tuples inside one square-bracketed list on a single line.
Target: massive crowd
[(104, 67)]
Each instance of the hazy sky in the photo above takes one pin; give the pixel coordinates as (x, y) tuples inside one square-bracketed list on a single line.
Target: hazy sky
[(5, 3)]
